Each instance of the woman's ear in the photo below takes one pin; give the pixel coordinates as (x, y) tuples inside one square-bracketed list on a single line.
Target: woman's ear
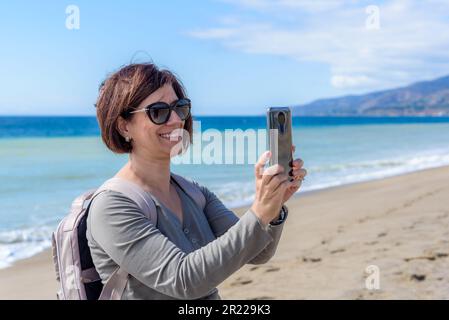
[(122, 126)]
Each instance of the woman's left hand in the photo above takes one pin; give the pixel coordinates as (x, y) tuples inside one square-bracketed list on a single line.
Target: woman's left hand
[(298, 174)]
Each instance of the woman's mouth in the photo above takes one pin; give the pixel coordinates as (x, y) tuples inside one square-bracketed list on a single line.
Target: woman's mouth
[(170, 136)]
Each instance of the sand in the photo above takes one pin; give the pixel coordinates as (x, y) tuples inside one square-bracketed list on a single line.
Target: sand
[(399, 225)]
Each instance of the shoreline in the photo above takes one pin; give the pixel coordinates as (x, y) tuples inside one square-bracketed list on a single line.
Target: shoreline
[(245, 205), (327, 232)]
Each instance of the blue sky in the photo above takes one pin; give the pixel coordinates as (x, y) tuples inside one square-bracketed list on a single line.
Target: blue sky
[(234, 57)]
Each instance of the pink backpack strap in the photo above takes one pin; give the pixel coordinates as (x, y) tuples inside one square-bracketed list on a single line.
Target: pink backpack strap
[(192, 189), (115, 286), (133, 191)]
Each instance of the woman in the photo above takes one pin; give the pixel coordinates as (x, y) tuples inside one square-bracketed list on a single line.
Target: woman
[(191, 250)]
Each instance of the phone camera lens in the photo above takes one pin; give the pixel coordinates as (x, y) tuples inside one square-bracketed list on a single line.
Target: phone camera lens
[(281, 118)]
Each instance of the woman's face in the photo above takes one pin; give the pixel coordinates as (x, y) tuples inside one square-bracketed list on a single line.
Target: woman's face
[(148, 137)]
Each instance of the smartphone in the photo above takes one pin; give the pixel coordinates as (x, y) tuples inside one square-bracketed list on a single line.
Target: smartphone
[(279, 126)]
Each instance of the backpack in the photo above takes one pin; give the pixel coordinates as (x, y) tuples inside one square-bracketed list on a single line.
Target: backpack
[(75, 271)]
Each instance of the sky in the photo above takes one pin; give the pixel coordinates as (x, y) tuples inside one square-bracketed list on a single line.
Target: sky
[(234, 57)]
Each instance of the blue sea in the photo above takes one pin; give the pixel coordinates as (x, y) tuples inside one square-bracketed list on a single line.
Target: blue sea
[(45, 162)]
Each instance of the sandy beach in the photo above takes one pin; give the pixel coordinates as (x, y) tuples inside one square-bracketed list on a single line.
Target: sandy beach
[(399, 224)]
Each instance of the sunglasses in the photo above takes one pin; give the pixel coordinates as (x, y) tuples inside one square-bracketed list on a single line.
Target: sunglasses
[(159, 112)]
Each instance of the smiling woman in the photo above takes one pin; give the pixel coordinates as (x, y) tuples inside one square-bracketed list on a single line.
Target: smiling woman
[(124, 91), (191, 242)]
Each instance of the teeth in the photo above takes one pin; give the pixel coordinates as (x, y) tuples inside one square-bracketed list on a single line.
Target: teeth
[(169, 136)]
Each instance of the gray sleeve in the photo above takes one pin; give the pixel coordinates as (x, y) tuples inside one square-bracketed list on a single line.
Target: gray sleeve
[(221, 219), (134, 243)]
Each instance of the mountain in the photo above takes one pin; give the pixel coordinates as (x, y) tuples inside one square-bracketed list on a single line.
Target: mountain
[(426, 98)]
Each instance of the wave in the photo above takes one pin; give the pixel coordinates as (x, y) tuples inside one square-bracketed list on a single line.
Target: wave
[(238, 194), (374, 170), (416, 162), (23, 243)]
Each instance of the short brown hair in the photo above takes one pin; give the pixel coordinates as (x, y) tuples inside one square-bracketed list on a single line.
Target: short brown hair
[(123, 91)]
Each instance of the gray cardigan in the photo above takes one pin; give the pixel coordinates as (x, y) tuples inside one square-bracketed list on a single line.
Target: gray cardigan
[(170, 260)]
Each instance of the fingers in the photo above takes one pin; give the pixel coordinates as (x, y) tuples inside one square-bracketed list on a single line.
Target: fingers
[(271, 172), (297, 163), (298, 174), (293, 189), (294, 185), (260, 164), (276, 180), (272, 179), (282, 186)]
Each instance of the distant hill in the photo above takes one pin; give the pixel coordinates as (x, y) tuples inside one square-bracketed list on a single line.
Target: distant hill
[(426, 98)]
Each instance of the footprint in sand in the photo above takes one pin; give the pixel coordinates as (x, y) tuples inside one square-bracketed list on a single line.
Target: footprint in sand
[(304, 259), (418, 277), (382, 234), (438, 255), (241, 282), (253, 268), (337, 251), (272, 269)]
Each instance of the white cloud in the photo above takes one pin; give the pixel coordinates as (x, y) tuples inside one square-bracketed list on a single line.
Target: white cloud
[(412, 42), (342, 81), (307, 5)]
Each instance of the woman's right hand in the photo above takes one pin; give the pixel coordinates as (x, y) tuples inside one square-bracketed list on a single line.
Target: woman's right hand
[(271, 185)]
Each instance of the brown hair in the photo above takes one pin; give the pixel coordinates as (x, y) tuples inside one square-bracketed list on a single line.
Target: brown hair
[(123, 91)]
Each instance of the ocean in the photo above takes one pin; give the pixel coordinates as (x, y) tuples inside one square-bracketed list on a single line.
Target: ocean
[(45, 162)]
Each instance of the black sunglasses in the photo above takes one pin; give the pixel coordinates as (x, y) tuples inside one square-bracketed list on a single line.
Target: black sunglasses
[(159, 112)]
